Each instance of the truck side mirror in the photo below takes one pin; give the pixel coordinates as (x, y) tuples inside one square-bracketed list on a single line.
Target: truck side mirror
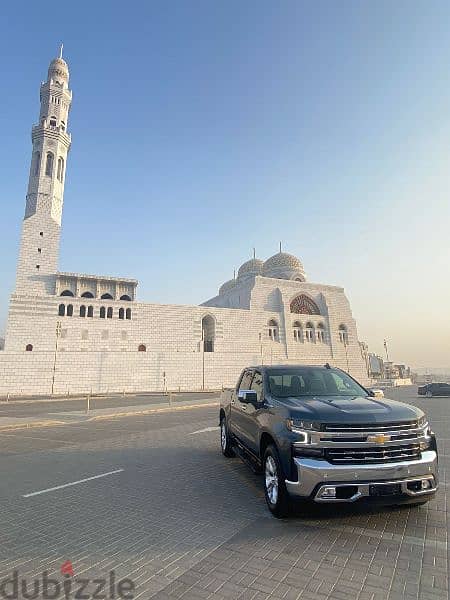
[(248, 396)]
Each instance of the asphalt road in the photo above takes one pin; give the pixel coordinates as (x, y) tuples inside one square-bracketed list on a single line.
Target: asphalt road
[(181, 521), (48, 408)]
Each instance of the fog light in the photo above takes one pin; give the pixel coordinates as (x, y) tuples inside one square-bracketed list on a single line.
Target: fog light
[(426, 484), (328, 492)]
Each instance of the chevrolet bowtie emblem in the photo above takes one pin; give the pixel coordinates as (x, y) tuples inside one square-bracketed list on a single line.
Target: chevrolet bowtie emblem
[(379, 438)]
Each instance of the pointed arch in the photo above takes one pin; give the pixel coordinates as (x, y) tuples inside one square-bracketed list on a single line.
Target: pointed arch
[(304, 305), (49, 164), (208, 333)]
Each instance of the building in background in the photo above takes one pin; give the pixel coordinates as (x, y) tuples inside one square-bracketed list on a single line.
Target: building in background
[(76, 332)]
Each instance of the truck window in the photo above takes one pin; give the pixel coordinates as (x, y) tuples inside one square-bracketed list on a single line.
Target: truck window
[(311, 381), (257, 385), (246, 380)]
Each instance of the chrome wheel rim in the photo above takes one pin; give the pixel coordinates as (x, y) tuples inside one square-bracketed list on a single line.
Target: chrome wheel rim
[(271, 478), (223, 436)]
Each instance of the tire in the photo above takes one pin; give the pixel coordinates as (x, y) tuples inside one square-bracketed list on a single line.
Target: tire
[(225, 440), (275, 492)]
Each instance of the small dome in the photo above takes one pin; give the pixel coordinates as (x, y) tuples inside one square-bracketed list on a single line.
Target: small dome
[(58, 69), (228, 285), (284, 266), (253, 266)]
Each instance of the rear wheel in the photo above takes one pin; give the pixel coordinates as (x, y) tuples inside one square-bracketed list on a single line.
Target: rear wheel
[(225, 440), (275, 491)]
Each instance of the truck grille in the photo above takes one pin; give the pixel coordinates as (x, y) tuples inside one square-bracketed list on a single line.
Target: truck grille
[(370, 427), (372, 454)]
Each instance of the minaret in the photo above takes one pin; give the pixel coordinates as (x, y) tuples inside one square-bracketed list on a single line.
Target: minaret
[(39, 247)]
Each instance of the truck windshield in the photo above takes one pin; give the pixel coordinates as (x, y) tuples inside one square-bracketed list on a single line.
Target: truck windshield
[(310, 381)]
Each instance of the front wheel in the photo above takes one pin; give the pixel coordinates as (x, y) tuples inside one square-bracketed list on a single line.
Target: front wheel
[(275, 491), (225, 441)]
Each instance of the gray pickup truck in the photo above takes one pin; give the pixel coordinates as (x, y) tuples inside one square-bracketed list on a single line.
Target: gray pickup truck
[(319, 436)]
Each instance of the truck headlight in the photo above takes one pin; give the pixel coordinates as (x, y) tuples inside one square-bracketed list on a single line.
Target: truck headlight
[(422, 422), (297, 426)]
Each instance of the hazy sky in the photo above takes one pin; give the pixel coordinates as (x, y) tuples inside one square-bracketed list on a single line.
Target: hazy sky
[(201, 129)]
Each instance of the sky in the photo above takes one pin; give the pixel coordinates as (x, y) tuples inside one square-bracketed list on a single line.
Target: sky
[(203, 129)]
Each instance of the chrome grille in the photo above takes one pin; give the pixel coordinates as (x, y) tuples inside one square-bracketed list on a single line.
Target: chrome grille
[(373, 454), (370, 427)]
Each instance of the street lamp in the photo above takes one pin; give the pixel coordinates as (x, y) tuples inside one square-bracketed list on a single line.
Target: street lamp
[(58, 333)]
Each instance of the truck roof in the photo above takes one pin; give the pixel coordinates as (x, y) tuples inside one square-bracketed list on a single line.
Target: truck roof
[(288, 367)]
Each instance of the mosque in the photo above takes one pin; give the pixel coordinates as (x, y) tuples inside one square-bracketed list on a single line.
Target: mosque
[(75, 332)]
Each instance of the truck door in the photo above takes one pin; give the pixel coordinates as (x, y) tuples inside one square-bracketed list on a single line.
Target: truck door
[(239, 409)]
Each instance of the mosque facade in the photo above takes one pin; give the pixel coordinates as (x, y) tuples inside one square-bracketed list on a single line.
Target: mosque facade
[(77, 333)]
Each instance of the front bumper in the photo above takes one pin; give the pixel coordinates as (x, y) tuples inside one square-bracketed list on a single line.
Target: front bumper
[(358, 481)]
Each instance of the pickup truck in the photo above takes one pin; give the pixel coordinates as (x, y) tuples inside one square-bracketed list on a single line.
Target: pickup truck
[(317, 435)]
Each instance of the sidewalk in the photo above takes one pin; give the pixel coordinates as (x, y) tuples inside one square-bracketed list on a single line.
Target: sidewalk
[(82, 416)]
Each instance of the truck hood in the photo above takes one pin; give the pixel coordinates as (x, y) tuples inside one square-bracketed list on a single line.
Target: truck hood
[(351, 409)]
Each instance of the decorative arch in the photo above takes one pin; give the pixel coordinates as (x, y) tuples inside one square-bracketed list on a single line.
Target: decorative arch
[(106, 297), (29, 348), (49, 164), (87, 295), (309, 332), (142, 348), (304, 305), (208, 333), (67, 293), (125, 297), (273, 330), (298, 331), (343, 334)]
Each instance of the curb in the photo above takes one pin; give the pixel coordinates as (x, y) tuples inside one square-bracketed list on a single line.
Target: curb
[(146, 411), (149, 411), (30, 425)]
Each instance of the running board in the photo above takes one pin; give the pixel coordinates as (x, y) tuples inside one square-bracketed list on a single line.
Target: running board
[(247, 457)]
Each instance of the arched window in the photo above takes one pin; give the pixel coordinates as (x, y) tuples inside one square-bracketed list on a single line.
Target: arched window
[(82, 311), (60, 171), (52, 121), (309, 332), (63, 126), (106, 297), (304, 305), (90, 311), (208, 333), (66, 293), (37, 162), (87, 295), (142, 348), (121, 313), (128, 313), (62, 310), (69, 310), (29, 347), (273, 331), (343, 334), (298, 331), (109, 312), (102, 312), (49, 164), (320, 333), (125, 297)]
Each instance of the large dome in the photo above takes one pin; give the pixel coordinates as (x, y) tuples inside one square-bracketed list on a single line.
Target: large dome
[(252, 267), (284, 266), (228, 285)]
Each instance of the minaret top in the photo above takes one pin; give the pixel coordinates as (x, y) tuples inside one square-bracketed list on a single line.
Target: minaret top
[(58, 69)]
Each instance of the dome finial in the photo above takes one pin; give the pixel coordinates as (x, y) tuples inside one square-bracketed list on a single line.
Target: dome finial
[(280, 248), (61, 48), (254, 253)]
